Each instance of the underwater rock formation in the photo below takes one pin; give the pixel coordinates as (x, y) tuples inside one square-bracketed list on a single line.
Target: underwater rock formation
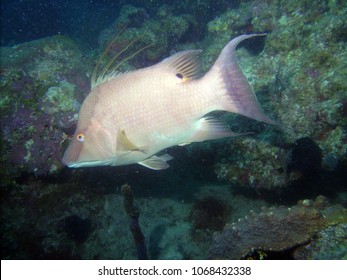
[(329, 244), (274, 229), (39, 96), (298, 72), (304, 157), (299, 77), (209, 213), (301, 84), (77, 229), (253, 163), (160, 33)]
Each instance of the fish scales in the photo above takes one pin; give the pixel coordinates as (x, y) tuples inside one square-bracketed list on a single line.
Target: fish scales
[(131, 117), (149, 112)]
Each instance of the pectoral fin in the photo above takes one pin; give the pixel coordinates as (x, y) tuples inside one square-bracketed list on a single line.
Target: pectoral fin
[(157, 162), (124, 144)]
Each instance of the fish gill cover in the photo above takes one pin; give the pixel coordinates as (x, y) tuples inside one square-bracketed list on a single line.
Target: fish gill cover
[(297, 71)]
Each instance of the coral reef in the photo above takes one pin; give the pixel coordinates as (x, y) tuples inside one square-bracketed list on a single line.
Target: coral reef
[(298, 77), (160, 33), (329, 244), (209, 213), (77, 229), (298, 73), (38, 103), (274, 229), (252, 163), (301, 85), (305, 157)]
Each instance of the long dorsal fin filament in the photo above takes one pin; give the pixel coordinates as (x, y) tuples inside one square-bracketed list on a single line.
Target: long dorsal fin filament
[(110, 70)]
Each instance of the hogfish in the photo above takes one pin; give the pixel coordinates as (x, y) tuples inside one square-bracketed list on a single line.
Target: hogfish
[(131, 117)]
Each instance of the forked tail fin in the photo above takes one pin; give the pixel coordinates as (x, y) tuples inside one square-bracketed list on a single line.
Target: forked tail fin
[(234, 93)]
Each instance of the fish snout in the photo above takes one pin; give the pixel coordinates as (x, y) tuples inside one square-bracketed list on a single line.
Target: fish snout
[(72, 153)]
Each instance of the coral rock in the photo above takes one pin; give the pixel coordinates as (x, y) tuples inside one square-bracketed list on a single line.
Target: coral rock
[(272, 230)]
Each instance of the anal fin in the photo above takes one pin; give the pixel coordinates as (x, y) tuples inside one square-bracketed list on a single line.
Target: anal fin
[(157, 162)]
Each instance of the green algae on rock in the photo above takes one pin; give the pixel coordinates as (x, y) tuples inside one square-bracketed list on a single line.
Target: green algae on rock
[(299, 77), (38, 103)]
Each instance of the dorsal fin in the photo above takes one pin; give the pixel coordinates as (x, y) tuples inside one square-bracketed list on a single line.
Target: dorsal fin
[(185, 64), (104, 73), (110, 71)]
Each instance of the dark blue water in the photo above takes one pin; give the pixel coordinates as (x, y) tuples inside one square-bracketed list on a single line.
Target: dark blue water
[(27, 20)]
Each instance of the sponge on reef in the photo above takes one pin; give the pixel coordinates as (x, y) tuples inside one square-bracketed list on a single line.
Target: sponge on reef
[(274, 229)]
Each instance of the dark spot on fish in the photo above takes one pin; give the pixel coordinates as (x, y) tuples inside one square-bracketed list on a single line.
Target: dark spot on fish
[(179, 75)]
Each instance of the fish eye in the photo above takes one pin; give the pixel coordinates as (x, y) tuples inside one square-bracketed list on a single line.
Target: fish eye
[(80, 137)]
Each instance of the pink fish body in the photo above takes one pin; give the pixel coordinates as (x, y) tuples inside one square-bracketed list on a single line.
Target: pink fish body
[(130, 118)]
